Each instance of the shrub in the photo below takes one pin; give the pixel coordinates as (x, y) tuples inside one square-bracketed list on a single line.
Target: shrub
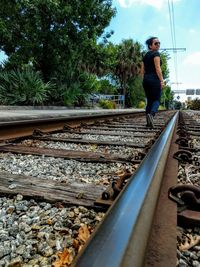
[(23, 88), (141, 104), (107, 104), (75, 92), (71, 94), (161, 107), (194, 104), (105, 87)]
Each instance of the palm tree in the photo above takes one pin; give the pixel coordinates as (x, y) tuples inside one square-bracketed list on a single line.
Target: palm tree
[(128, 63)]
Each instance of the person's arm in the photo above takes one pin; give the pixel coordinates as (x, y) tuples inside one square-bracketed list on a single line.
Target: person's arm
[(158, 70), (142, 70)]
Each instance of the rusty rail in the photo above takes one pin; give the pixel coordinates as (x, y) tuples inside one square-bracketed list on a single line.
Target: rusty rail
[(25, 127), (122, 237)]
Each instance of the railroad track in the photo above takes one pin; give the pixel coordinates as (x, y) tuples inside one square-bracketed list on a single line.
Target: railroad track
[(60, 179), (187, 192)]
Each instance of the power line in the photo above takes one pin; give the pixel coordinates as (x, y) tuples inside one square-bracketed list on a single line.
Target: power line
[(173, 36), (175, 54), (171, 27), (173, 23)]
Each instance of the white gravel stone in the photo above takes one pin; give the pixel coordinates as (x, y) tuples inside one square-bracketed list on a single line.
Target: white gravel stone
[(60, 169), (36, 242), (120, 138)]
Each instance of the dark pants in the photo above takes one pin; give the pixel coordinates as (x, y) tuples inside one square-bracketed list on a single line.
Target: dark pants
[(152, 88)]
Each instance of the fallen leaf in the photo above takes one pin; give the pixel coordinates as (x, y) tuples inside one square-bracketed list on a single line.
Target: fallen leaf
[(189, 243), (93, 148), (83, 233), (65, 257), (76, 244), (80, 247), (49, 222)]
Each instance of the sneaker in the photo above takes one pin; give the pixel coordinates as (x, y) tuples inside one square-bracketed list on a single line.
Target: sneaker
[(150, 121)]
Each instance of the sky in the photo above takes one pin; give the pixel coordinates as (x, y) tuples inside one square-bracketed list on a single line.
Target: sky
[(140, 19)]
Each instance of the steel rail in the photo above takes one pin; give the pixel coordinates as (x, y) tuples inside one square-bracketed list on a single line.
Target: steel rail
[(25, 127), (121, 239), (52, 118)]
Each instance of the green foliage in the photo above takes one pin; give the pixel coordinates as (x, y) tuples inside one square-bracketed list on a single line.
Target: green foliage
[(59, 39), (75, 93), (177, 105), (88, 83), (162, 107), (105, 87), (110, 60), (135, 92), (167, 97), (194, 104), (23, 88), (165, 70), (128, 63), (97, 59), (107, 104), (70, 95), (53, 36), (141, 104)]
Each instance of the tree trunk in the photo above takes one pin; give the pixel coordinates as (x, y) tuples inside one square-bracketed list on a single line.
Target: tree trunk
[(124, 96)]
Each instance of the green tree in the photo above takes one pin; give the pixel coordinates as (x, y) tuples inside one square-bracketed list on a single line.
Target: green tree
[(135, 93), (177, 104), (127, 64), (98, 57), (165, 70), (76, 93), (52, 35), (105, 87), (194, 104), (167, 97)]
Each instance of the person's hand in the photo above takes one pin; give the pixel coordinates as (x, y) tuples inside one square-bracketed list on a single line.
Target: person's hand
[(162, 84)]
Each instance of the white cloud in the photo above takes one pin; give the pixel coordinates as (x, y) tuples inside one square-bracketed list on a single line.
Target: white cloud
[(161, 28), (192, 31), (155, 3), (192, 59)]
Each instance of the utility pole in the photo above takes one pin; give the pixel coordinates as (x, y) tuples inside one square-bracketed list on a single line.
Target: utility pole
[(175, 50)]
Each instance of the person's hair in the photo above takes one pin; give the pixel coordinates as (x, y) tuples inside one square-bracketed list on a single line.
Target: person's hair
[(150, 41)]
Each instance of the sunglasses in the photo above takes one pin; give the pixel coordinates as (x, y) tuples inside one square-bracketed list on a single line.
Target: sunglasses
[(157, 43)]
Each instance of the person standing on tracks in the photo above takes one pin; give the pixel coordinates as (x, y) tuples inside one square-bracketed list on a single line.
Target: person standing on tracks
[(153, 81)]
